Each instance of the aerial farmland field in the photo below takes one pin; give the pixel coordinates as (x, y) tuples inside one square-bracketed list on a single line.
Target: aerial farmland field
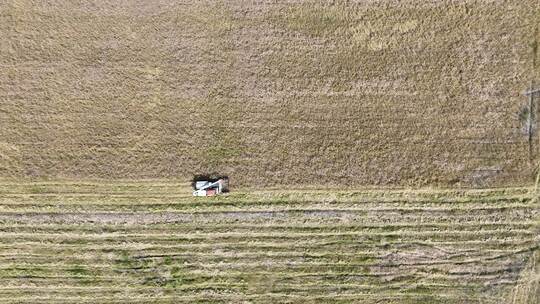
[(379, 151), (344, 93), (152, 242)]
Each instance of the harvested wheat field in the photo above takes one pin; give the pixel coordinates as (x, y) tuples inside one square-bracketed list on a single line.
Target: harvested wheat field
[(150, 242)]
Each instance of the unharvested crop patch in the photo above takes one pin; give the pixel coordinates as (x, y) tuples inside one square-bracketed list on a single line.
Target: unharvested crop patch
[(340, 93)]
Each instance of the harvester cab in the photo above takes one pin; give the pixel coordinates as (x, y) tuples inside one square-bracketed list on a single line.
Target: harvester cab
[(204, 185)]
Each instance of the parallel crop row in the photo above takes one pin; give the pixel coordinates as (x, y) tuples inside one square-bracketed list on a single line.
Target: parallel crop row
[(368, 247)]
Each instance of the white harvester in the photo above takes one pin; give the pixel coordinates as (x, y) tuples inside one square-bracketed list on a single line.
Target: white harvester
[(204, 185)]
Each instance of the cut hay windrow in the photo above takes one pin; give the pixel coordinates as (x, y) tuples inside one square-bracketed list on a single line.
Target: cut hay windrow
[(431, 246)]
